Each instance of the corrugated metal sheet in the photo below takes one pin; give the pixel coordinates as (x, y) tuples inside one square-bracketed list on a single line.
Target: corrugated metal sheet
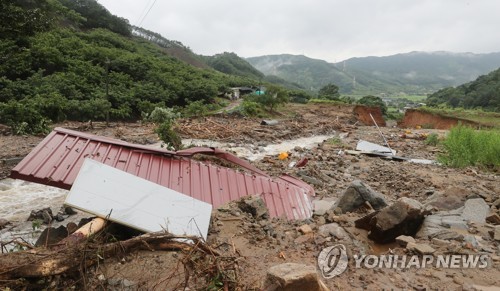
[(56, 161)]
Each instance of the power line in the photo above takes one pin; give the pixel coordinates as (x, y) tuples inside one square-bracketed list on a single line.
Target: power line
[(142, 13), (147, 13)]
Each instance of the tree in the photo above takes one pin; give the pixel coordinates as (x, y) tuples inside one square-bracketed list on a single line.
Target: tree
[(374, 101), (273, 97), (330, 92)]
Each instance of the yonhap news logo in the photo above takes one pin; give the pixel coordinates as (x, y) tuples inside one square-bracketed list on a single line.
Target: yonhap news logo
[(333, 261)]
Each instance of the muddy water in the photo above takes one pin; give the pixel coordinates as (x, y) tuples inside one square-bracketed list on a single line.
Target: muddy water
[(256, 152)]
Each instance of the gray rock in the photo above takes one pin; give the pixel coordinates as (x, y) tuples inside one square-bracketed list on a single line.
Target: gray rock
[(401, 218), (441, 225), (322, 206), (255, 206), (475, 210), (356, 195), (334, 229), (291, 276)]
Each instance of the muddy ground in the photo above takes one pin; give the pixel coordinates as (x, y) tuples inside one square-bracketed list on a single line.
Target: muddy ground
[(252, 245)]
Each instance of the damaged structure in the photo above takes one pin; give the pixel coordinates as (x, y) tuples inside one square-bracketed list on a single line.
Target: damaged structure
[(56, 161)]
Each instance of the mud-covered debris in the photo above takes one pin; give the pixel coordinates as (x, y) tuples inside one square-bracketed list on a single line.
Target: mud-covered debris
[(255, 206), (305, 229), (335, 230), (356, 195), (404, 217), (423, 249), (496, 233), (51, 235), (475, 210), (492, 218), (44, 215), (3, 223), (292, 276)]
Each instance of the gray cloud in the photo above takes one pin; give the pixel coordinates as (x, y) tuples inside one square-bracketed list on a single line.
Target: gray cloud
[(332, 30)]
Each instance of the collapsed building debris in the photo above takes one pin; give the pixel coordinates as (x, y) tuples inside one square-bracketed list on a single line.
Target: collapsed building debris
[(57, 160)]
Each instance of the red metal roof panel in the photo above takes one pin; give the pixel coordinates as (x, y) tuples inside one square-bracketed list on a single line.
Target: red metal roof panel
[(56, 161)]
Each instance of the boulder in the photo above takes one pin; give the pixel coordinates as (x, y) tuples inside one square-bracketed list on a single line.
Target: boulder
[(401, 218), (292, 276), (356, 195), (255, 206), (475, 210)]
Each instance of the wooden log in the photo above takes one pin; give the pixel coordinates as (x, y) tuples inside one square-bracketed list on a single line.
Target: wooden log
[(42, 262)]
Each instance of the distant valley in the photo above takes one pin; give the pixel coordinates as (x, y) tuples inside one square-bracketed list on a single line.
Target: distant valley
[(411, 73)]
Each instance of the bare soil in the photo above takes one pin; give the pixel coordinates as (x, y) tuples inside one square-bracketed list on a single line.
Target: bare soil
[(254, 245)]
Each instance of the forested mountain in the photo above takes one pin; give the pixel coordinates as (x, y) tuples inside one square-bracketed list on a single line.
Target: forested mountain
[(412, 73), (484, 93), (232, 64), (72, 59)]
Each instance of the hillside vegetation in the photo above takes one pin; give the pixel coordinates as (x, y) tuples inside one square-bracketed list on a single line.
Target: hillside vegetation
[(65, 59), (484, 92)]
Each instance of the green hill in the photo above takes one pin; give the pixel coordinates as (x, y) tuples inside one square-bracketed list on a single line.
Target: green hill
[(412, 73), (484, 92), (74, 60)]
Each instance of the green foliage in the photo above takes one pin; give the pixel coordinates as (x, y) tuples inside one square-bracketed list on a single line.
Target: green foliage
[(23, 118), (484, 93), (161, 115), (432, 139), (272, 98), (465, 147), (195, 108), (299, 96), (168, 136), (249, 108), (232, 64), (373, 101), (329, 92)]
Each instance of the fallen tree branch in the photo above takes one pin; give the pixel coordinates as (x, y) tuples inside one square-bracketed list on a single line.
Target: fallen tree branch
[(42, 262)]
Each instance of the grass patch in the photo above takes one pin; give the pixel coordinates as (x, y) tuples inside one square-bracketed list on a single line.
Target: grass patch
[(468, 147), (326, 101)]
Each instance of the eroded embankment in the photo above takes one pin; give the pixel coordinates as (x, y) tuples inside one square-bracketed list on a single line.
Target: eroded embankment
[(363, 115), (424, 119)]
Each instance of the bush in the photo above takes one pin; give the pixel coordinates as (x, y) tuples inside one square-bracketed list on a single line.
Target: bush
[(465, 146), (162, 115), (168, 136), (195, 108), (249, 108), (23, 118), (432, 139)]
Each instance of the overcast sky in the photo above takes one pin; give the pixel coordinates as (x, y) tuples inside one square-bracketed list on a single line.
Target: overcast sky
[(332, 30)]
